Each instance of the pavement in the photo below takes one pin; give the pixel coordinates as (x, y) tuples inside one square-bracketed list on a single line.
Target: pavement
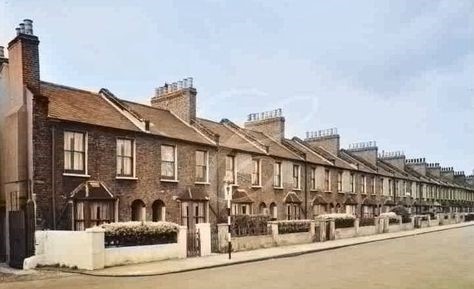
[(439, 260), (220, 260)]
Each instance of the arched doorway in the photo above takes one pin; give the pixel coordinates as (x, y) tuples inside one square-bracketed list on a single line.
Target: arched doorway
[(138, 210), (158, 211), (262, 209), (273, 211)]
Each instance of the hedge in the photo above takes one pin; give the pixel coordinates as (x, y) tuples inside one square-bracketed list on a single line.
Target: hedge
[(469, 217), (364, 222), (123, 234), (293, 226), (249, 225)]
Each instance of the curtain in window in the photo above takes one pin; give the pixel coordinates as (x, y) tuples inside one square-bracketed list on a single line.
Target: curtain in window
[(124, 157), (78, 152), (74, 151), (167, 161), (229, 169), (201, 166)]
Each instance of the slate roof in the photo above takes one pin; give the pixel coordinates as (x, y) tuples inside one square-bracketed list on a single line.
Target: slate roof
[(228, 138), (164, 123), (311, 156), (82, 106), (362, 165), (275, 149)]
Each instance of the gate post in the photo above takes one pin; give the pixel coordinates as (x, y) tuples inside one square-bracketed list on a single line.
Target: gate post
[(204, 238), (222, 232), (183, 241), (332, 229)]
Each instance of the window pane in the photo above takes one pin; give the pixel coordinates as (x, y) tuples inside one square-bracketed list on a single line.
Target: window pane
[(167, 153), (67, 160), (200, 158), (78, 161), (79, 142), (119, 165), (127, 148), (68, 140), (127, 166), (167, 169)]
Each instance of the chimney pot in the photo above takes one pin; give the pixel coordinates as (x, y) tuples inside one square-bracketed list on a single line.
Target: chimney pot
[(28, 26), (2, 52)]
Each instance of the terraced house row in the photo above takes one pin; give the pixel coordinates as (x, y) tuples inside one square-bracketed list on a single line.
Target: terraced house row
[(72, 159)]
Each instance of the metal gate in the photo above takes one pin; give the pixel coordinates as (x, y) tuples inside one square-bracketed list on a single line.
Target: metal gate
[(193, 243), (214, 239), (17, 230)]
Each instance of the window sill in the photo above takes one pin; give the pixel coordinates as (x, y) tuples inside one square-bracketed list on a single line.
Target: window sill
[(126, 178), (296, 189), (256, 187), (169, 181), (76, 175), (278, 188), (202, 183)]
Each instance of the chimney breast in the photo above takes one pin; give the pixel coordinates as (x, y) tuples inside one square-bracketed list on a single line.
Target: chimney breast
[(270, 122)]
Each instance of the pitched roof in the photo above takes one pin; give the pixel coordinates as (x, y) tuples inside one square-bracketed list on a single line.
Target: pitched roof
[(82, 106), (361, 164), (229, 138), (311, 156), (274, 148), (164, 123)]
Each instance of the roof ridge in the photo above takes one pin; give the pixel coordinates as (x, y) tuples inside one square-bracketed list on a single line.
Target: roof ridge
[(361, 160), (237, 129), (145, 105), (301, 143)]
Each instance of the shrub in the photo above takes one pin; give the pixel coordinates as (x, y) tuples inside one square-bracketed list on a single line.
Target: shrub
[(293, 226), (406, 219), (340, 220), (469, 217), (124, 234), (366, 222), (392, 221), (391, 215), (344, 223), (250, 225)]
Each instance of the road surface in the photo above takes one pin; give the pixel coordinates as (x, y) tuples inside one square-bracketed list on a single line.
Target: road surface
[(436, 260)]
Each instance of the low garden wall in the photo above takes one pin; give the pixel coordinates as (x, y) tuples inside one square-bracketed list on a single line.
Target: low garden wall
[(344, 233), (91, 250), (279, 233)]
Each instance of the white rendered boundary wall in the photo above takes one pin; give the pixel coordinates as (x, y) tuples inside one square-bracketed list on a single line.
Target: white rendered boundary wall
[(86, 250)]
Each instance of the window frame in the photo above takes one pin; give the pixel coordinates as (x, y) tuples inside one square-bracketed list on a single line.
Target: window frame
[(206, 166), (327, 180), (133, 158), (174, 178), (279, 175), (339, 181), (313, 178), (85, 154), (234, 170), (297, 177), (256, 177)]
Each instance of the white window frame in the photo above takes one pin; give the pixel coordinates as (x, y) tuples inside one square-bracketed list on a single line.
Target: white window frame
[(299, 177), (206, 154), (134, 162), (86, 155), (280, 173), (234, 169), (327, 182), (175, 180), (339, 182), (259, 167), (312, 179)]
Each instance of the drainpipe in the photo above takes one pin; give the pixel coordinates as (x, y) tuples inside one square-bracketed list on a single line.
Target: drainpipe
[(305, 188), (218, 182), (53, 181)]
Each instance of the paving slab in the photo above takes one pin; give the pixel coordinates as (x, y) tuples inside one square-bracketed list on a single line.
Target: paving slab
[(219, 260)]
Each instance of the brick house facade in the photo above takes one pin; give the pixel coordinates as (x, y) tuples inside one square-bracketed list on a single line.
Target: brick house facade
[(78, 158)]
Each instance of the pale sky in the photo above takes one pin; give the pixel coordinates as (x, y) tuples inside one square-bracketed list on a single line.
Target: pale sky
[(397, 72)]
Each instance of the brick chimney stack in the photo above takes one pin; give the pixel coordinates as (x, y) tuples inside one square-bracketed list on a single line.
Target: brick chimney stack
[(460, 177), (448, 173), (178, 97), (24, 59), (366, 150), (434, 169), (270, 122), (395, 158), (418, 164), (327, 139)]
